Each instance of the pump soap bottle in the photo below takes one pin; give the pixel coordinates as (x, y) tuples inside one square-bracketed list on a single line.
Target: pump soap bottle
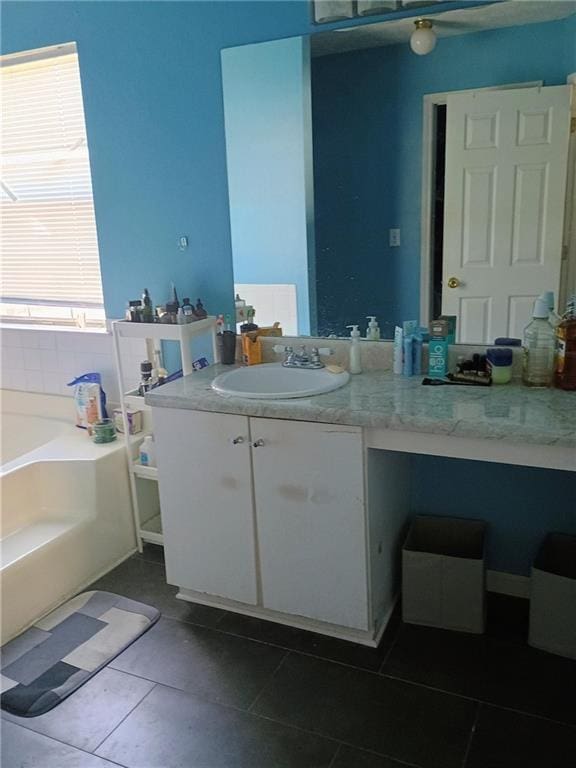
[(355, 364), (373, 332)]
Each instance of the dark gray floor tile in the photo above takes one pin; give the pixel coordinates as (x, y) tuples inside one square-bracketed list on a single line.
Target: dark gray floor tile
[(22, 748), (504, 739), (154, 553), (309, 642), (491, 669), (389, 717), (145, 581), (173, 729), (214, 665), (86, 717), (507, 617), (348, 757)]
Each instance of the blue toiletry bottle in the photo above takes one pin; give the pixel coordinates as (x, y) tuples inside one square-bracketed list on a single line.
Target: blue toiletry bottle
[(417, 355), (408, 364)]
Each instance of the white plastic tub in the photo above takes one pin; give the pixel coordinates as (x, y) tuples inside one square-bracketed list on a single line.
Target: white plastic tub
[(65, 507)]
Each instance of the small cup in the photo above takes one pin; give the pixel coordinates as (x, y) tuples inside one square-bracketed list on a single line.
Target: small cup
[(104, 431)]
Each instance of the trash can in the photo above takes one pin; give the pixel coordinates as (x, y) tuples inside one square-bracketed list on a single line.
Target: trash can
[(443, 573), (553, 596)]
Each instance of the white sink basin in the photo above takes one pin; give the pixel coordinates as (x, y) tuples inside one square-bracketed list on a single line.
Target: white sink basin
[(272, 381)]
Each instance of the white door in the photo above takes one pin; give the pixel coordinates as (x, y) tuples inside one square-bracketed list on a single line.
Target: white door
[(506, 159), (206, 500), (309, 493)]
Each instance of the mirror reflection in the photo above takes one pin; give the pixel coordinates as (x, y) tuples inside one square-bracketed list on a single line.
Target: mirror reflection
[(367, 180)]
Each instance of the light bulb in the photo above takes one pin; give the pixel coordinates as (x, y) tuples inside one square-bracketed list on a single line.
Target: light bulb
[(423, 39)]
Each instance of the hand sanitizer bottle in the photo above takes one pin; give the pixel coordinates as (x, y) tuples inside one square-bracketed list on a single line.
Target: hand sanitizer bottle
[(355, 364)]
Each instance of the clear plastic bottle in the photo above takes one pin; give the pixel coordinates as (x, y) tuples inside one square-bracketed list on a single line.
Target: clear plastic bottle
[(553, 317), (539, 347)]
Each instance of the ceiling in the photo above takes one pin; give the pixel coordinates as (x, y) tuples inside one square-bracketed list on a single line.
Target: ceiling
[(510, 13)]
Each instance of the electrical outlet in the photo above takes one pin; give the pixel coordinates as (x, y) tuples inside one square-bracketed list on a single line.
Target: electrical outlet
[(394, 235), (183, 242)]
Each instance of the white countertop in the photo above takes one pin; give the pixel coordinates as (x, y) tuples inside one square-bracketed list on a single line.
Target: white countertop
[(508, 413)]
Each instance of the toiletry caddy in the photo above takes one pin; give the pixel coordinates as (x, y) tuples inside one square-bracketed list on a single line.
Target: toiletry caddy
[(145, 501)]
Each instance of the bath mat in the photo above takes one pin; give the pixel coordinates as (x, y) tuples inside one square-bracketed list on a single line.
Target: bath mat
[(57, 655)]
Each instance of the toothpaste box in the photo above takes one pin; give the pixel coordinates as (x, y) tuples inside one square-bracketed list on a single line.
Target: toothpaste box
[(438, 349)]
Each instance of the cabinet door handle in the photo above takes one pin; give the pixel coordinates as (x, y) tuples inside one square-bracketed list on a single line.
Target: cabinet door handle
[(238, 440), (258, 443)]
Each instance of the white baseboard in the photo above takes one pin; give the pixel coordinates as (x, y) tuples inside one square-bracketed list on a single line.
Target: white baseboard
[(508, 583)]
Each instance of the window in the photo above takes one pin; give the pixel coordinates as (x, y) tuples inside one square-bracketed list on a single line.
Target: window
[(50, 268)]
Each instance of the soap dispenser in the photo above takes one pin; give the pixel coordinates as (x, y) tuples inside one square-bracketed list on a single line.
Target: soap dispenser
[(373, 332), (355, 364)]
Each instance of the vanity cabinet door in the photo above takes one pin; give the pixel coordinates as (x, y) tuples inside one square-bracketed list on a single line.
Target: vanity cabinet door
[(206, 501), (309, 495)]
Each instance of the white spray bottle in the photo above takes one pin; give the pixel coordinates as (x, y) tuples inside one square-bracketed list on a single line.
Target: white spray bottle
[(355, 364)]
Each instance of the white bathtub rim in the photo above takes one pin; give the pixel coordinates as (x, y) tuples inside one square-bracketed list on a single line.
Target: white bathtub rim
[(74, 444), (67, 447)]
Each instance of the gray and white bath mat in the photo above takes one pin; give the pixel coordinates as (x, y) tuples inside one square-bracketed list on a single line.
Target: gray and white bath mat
[(57, 655)]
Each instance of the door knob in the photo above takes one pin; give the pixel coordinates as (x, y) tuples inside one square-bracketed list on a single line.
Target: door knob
[(258, 443), (453, 282), (237, 441)]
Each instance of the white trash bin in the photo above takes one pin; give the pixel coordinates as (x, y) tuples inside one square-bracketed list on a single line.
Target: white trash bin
[(553, 596), (443, 573)]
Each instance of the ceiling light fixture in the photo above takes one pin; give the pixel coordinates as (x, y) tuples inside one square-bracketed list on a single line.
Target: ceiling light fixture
[(423, 39)]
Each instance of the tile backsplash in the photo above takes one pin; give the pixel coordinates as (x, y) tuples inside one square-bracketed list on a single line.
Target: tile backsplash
[(45, 360)]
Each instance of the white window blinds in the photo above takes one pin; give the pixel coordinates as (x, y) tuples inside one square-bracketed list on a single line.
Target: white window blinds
[(49, 253)]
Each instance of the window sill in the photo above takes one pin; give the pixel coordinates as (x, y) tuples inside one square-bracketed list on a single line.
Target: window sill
[(51, 328)]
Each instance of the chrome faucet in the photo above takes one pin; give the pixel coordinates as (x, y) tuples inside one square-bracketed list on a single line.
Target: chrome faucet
[(303, 358)]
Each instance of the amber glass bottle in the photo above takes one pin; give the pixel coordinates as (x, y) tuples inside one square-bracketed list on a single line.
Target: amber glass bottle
[(565, 377)]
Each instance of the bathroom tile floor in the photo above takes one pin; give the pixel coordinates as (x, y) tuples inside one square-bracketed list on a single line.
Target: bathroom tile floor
[(205, 688)]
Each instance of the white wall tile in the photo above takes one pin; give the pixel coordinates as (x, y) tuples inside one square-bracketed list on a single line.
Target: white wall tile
[(53, 383), (12, 358), (34, 382), (46, 339), (10, 338), (49, 360), (46, 360), (32, 360)]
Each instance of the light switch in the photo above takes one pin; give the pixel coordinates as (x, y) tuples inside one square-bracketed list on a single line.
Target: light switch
[(183, 242), (394, 238)]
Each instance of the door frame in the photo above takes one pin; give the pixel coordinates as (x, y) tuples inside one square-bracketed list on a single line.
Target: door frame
[(430, 102), (568, 267)]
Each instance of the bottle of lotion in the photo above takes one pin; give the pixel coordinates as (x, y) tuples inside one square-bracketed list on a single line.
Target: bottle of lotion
[(355, 364)]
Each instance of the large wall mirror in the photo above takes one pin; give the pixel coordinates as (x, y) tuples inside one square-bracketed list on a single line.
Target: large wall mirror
[(366, 180)]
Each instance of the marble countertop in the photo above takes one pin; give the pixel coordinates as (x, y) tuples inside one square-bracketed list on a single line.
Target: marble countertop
[(510, 413)]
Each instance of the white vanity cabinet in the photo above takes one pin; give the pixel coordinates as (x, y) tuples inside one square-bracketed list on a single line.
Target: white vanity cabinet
[(309, 499), (205, 486), (272, 514)]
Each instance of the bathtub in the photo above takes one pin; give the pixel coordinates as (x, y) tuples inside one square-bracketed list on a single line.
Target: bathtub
[(66, 515)]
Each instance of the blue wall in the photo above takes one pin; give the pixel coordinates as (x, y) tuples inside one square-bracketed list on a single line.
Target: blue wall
[(268, 140), (520, 504), (367, 108), (153, 102)]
